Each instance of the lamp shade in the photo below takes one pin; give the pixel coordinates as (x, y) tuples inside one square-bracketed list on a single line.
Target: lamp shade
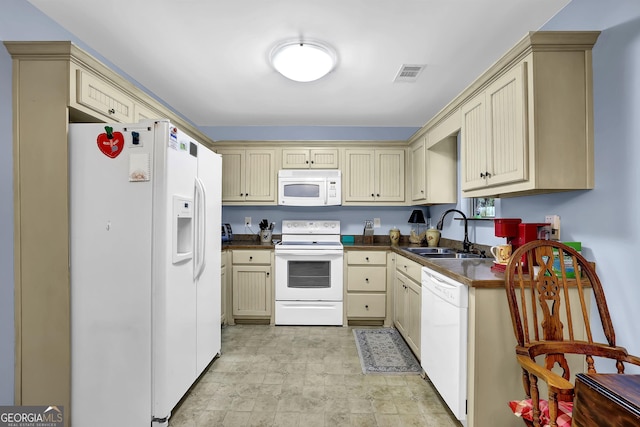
[(417, 217), (303, 61)]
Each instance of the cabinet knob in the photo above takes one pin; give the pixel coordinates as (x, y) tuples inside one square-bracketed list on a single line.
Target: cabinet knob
[(112, 111), (366, 279), (367, 258), (377, 195), (422, 191), (367, 307), (372, 195), (250, 258), (307, 161), (487, 174), (267, 274), (481, 174), (311, 161)]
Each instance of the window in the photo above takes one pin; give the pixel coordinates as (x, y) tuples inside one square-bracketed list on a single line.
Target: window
[(483, 207)]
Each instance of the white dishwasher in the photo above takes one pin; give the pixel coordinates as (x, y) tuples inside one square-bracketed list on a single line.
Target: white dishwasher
[(443, 339)]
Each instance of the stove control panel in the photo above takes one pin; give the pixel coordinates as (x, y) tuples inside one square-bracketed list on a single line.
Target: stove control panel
[(310, 227)]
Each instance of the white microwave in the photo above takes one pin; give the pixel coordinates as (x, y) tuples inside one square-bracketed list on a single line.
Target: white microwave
[(309, 187)]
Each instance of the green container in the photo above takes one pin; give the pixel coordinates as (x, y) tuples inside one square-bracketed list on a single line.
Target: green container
[(568, 262)]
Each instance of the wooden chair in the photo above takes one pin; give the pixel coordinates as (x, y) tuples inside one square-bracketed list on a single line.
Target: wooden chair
[(550, 315)]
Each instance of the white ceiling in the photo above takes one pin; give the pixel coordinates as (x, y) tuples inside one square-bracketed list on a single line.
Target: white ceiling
[(208, 58)]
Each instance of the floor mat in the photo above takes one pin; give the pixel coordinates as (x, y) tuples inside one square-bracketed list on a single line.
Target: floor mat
[(383, 351)]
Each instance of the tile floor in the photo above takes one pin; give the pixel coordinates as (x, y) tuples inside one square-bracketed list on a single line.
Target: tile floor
[(303, 376)]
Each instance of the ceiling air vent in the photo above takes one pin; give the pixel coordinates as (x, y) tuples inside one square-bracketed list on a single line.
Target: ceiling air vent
[(409, 73)]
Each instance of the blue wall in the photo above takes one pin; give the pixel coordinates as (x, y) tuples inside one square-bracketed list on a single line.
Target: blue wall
[(603, 219)]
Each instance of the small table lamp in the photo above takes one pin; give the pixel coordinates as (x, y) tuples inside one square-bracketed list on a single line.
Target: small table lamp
[(417, 218)]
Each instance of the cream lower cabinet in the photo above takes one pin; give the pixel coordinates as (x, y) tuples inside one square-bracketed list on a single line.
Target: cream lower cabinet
[(223, 288), (252, 285), (366, 285), (374, 175), (494, 377), (248, 176), (408, 301)]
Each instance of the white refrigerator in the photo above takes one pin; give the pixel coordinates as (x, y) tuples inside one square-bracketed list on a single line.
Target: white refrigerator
[(145, 217)]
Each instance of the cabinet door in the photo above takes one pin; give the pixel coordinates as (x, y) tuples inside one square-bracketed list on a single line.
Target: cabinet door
[(413, 309), (389, 175), (293, 158), (96, 94), (474, 143), (506, 99), (326, 158), (441, 170), (251, 290), (400, 305), (359, 176), (260, 176), (233, 173), (418, 181)]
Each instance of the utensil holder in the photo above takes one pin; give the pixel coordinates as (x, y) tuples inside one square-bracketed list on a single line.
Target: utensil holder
[(265, 236)]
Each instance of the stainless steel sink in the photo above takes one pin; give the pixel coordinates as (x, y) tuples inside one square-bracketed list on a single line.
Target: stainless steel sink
[(429, 251), (439, 253)]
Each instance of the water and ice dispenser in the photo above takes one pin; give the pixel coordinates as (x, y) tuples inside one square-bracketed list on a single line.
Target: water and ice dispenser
[(182, 229)]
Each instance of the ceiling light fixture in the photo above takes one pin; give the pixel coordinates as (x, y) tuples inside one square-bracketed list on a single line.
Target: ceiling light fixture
[(303, 60)]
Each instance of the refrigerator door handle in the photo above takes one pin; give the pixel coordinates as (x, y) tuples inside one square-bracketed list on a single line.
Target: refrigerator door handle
[(200, 229)]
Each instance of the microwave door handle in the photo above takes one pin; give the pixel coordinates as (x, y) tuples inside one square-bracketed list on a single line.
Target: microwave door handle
[(326, 192)]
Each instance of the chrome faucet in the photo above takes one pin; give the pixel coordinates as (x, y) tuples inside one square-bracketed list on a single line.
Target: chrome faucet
[(466, 245)]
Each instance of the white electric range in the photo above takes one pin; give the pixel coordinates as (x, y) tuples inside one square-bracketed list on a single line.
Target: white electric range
[(308, 274)]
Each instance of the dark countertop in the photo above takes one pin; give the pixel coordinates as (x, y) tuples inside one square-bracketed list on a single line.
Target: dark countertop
[(473, 272)]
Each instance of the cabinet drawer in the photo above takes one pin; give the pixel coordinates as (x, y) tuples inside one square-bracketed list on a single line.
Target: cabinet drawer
[(367, 279), (251, 257), (410, 268), (367, 257), (366, 305)]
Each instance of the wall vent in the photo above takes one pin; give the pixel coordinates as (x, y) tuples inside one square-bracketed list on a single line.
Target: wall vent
[(409, 72)]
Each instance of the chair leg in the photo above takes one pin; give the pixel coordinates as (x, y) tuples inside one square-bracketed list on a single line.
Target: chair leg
[(553, 410), (535, 400)]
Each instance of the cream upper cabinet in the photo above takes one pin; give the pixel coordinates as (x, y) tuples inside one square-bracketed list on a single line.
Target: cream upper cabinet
[(248, 176), (374, 175), (527, 123), (312, 158), (94, 93), (494, 141), (417, 158), (433, 156)]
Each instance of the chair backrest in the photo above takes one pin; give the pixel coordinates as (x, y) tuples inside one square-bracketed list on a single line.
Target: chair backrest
[(545, 283)]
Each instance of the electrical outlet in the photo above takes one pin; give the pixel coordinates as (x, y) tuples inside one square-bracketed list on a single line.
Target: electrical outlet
[(247, 221), (376, 222), (554, 220)]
